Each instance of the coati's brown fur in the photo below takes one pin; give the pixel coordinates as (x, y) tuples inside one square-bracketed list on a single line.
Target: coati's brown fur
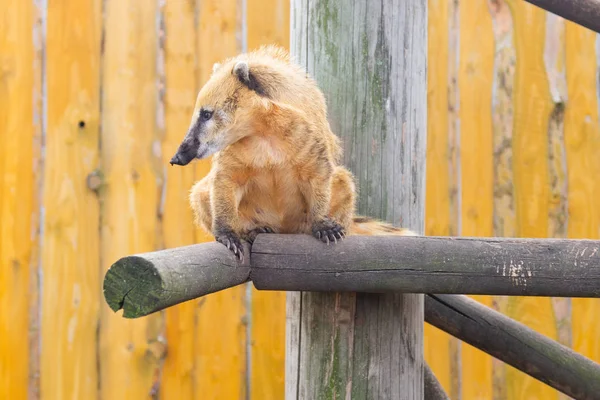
[(276, 164)]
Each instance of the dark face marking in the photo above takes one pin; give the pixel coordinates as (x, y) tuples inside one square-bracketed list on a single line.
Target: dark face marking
[(191, 144), (249, 79)]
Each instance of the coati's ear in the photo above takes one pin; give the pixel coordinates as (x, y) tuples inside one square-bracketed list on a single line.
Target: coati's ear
[(245, 75), (216, 66), (242, 71)]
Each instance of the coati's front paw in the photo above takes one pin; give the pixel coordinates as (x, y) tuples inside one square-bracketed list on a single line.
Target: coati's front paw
[(232, 241), (251, 235), (327, 230)]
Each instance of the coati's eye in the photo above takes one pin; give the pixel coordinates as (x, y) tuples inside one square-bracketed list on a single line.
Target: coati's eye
[(206, 115)]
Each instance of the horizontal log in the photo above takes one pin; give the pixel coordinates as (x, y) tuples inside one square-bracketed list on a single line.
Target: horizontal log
[(514, 343), (447, 265), (145, 283), (583, 12)]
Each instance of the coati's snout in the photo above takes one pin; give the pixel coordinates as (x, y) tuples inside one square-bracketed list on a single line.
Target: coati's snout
[(198, 142), (186, 152)]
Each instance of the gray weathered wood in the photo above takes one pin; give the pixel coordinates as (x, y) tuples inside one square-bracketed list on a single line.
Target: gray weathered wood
[(370, 60), (433, 389), (583, 12), (145, 283), (445, 265), (515, 344)]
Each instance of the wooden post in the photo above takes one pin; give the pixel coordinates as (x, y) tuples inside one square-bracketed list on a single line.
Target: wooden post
[(370, 60)]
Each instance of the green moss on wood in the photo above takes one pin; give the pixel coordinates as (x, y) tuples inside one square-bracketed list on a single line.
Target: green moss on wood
[(133, 285)]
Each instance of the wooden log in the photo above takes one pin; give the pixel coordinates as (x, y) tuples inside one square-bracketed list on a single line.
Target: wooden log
[(583, 12), (432, 389), (514, 343), (145, 283), (445, 265)]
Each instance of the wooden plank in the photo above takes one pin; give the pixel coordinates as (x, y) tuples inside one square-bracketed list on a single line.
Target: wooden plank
[(179, 47), (554, 59), (268, 22), (220, 354), (502, 118), (454, 164), (438, 221), (70, 252), (130, 351), (532, 108), (516, 344), (582, 146), (18, 190), (475, 76), (383, 130)]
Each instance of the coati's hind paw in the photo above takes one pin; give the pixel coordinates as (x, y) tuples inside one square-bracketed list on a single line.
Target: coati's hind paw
[(327, 230), (232, 241), (251, 235)]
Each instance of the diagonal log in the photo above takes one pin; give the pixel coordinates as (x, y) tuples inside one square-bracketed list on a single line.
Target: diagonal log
[(583, 12), (433, 389), (514, 343)]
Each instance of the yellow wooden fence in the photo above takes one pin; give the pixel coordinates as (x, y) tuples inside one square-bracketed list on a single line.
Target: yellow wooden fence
[(95, 96)]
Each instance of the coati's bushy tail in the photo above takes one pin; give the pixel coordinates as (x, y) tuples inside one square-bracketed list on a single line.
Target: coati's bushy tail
[(371, 226)]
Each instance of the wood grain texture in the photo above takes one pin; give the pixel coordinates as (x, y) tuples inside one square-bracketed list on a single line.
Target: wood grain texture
[(582, 147), (516, 344), (130, 351), (268, 22), (145, 283), (179, 47), (438, 220), (18, 190), (454, 183), (502, 266), (370, 60), (554, 60), (220, 355), (475, 77), (502, 119), (584, 12), (70, 251), (432, 388), (532, 110)]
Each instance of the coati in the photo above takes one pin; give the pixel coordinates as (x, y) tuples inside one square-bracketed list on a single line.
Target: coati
[(276, 163)]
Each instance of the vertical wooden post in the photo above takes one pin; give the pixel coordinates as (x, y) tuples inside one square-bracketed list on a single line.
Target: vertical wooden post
[(370, 60)]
